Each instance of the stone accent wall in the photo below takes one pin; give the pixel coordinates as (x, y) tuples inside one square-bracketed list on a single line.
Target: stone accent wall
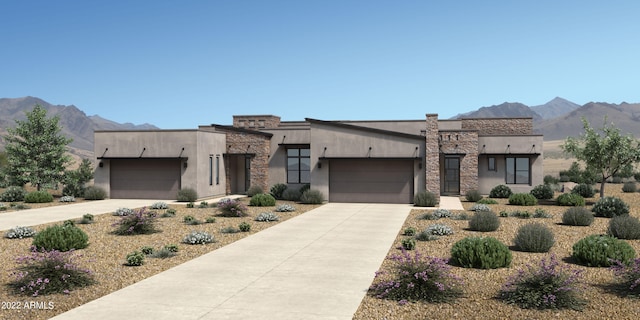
[(465, 144), (256, 122), (247, 143), (499, 126), (432, 155)]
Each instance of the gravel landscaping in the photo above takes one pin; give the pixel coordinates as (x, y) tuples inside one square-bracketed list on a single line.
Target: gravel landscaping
[(481, 287), (106, 254)]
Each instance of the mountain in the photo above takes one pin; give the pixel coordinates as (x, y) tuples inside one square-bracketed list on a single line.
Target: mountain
[(75, 123), (504, 110), (555, 108)]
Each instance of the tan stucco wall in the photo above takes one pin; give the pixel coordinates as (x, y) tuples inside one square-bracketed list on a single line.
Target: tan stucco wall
[(405, 126), (278, 156)]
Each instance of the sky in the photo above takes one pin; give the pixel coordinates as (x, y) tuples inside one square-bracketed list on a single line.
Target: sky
[(180, 64)]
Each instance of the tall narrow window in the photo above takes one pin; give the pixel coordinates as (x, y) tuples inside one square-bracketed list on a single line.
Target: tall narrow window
[(492, 164), (210, 170), (298, 165), (217, 169), (518, 171)]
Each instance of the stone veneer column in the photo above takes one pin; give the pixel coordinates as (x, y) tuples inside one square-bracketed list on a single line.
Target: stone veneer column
[(432, 156)]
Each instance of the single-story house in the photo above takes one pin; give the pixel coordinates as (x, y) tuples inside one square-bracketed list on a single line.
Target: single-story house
[(348, 161)]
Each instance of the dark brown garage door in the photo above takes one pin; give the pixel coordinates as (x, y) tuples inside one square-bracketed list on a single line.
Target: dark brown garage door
[(371, 180), (145, 178)]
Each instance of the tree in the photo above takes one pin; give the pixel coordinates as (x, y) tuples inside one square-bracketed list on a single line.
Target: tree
[(36, 150), (607, 153), (74, 180)]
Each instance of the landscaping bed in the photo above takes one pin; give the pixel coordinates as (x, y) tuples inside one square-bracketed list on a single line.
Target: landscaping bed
[(481, 287), (106, 253)]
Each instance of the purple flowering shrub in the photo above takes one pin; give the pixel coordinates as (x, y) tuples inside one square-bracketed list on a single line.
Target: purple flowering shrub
[(629, 276), (231, 208), (139, 222), (548, 285), (47, 272), (417, 278)]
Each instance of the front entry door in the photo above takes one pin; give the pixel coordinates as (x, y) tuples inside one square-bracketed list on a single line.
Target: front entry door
[(451, 175)]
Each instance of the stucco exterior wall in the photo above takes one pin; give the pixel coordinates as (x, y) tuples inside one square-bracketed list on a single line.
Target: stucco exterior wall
[(405, 126), (278, 157)]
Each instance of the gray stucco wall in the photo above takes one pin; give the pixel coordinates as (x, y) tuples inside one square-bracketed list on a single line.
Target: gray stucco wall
[(278, 156)]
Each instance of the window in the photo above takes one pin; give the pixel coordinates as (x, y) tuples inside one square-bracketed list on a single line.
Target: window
[(492, 164), (298, 165), (217, 169), (210, 170), (518, 171)]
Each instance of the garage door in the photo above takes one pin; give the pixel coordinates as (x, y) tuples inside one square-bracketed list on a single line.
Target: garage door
[(371, 180), (145, 178)]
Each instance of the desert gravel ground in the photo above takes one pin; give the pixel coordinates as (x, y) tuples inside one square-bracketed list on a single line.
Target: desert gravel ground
[(481, 286), (106, 254)]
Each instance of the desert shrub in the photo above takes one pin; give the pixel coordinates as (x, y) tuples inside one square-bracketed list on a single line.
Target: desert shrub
[(601, 251), (460, 216), (429, 216), (262, 200), (570, 199), (548, 285), (425, 199), (229, 229), (442, 213), (487, 201), (624, 227), (49, 272), (418, 278), (61, 238), (616, 180), (410, 231), (20, 206), (135, 258), (564, 178), (534, 237), (163, 253), (542, 192), (473, 196), (86, 219), (609, 207), (522, 214), (584, 190), (439, 229), (277, 190), (549, 179), (38, 197), (480, 207), (500, 191), (203, 205), (523, 199), (3, 207), (629, 187), (168, 214), (408, 244), (187, 195), (94, 193), (304, 188), (139, 222), (312, 196), (577, 216), (171, 247), (67, 199), (159, 205), (190, 205), (210, 220), (147, 250), (480, 253), (254, 190), (121, 212), (267, 216), (291, 194), (20, 233), (190, 220), (285, 208), (541, 213), (244, 227), (484, 221), (426, 236), (628, 276), (13, 194), (636, 176), (231, 208), (198, 237)]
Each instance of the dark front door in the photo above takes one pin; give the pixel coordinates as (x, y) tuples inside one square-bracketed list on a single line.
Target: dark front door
[(451, 175)]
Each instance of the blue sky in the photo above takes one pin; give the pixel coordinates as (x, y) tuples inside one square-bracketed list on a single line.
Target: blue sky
[(179, 64)]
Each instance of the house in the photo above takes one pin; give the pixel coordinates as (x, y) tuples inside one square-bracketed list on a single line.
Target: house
[(348, 161)]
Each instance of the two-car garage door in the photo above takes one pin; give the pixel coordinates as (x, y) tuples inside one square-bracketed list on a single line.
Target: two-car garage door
[(145, 178), (371, 180)]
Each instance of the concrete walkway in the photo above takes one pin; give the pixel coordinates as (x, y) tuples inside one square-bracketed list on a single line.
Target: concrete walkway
[(318, 265), (450, 203)]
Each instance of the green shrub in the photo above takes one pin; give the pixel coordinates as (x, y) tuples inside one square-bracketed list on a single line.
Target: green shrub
[(541, 213), (534, 237), (38, 197), (231, 208), (408, 243), (203, 205), (522, 214), (61, 238), (277, 190), (312, 196), (86, 219), (584, 190), (487, 201), (616, 180), (549, 179), (610, 207), (480, 253), (425, 199), (94, 193), (473, 196), (187, 195), (542, 192), (570, 199), (13, 194), (229, 230), (291, 194), (304, 188), (20, 233), (624, 227), (171, 247), (480, 207), (168, 213), (523, 199), (190, 220), (564, 178), (140, 222), (147, 250), (636, 176), (253, 190), (210, 220), (244, 227), (601, 251), (262, 200), (500, 191), (577, 216), (484, 221), (410, 231), (426, 236), (135, 258), (190, 205), (629, 187), (163, 253)]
